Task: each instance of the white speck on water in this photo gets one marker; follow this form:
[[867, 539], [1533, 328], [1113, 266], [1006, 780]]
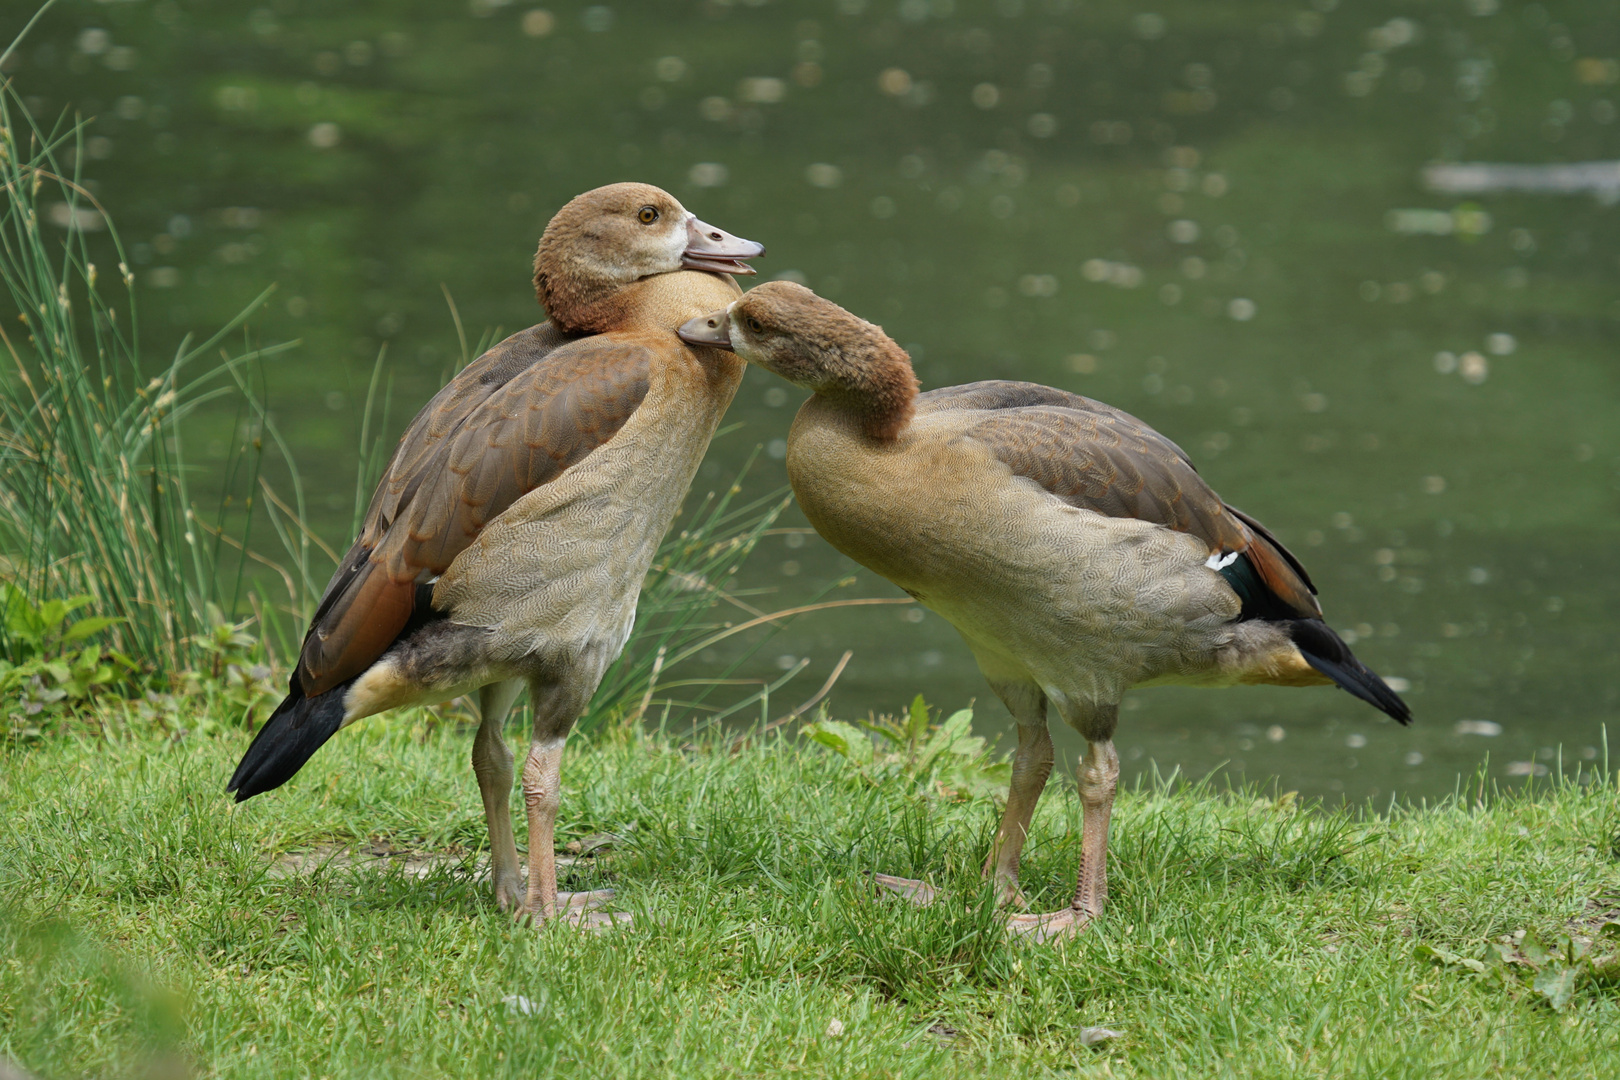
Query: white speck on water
[[762, 90], [823, 175], [1477, 727], [708, 174], [325, 135], [1355, 742]]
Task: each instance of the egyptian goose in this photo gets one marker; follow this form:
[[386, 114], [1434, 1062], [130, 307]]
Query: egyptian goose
[[507, 542], [1075, 549]]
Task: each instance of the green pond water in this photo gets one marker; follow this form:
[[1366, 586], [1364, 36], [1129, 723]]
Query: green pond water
[[1213, 215]]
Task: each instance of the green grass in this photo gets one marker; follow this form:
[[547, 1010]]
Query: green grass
[[140, 924]]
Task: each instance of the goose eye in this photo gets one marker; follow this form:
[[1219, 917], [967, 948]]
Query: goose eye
[[648, 215], [754, 324]]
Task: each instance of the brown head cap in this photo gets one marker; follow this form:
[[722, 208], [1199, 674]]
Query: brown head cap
[[600, 242]]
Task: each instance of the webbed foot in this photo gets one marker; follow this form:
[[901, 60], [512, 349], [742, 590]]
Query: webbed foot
[[578, 909], [919, 893], [1051, 926]]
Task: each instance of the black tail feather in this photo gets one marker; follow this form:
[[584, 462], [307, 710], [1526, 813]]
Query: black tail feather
[[1326, 652], [298, 728]]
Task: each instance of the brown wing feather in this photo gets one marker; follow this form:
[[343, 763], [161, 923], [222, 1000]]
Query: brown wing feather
[[1098, 458], [511, 421], [999, 394]]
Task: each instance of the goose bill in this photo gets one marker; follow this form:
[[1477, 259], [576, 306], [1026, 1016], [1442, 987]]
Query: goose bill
[[717, 251], [712, 330]]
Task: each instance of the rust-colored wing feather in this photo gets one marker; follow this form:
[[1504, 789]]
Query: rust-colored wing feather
[[513, 420], [1098, 458]]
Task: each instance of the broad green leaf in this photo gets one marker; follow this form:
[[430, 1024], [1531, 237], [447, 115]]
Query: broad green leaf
[[1556, 984], [1435, 954], [955, 728], [1534, 952], [85, 627], [918, 727], [959, 723], [884, 729], [845, 739]]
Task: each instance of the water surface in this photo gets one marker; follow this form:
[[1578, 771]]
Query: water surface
[[1214, 216]]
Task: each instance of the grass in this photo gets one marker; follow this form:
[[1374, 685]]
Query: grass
[[142, 926], [95, 485]]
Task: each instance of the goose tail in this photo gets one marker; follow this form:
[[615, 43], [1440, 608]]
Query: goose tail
[[299, 727], [1326, 651]]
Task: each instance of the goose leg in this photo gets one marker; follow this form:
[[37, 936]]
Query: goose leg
[[1098, 776], [1031, 766], [542, 797], [492, 765]]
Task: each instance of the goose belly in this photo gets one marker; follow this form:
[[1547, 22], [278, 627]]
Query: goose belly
[[557, 575], [1080, 603]]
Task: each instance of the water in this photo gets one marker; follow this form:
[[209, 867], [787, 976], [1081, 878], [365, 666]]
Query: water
[[1211, 216]]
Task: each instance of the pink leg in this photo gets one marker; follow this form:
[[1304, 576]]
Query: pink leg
[[1099, 777], [1032, 765], [542, 798], [492, 765]]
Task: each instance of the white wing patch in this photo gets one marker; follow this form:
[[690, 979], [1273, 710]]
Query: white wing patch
[[1218, 561]]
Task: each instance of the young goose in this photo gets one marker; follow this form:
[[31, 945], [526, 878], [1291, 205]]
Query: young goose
[[1076, 550], [506, 544]]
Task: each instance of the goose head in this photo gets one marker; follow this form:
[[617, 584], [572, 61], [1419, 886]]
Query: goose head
[[616, 235], [815, 344]]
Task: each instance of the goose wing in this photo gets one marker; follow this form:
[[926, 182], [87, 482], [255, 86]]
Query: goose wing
[[516, 418], [1098, 458]]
